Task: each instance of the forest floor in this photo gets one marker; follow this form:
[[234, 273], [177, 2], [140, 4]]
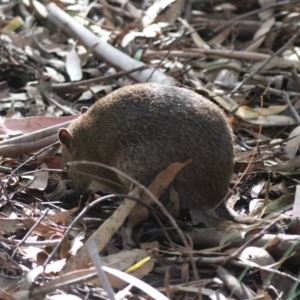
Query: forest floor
[[61, 56]]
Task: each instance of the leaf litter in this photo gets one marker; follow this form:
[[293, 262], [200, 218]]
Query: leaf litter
[[59, 57]]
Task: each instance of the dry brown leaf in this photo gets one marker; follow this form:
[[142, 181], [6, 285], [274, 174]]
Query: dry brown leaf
[[154, 10], [174, 206], [20, 295], [8, 266], [157, 188], [122, 261], [11, 225], [150, 245], [40, 178], [221, 37], [143, 270], [266, 14], [66, 278], [11, 110], [108, 14], [64, 296], [246, 112], [185, 271], [280, 63], [163, 180], [273, 120], [262, 257], [265, 295], [54, 162], [7, 296], [173, 12], [40, 229], [296, 206], [146, 288], [65, 249], [293, 143], [262, 31], [61, 217], [195, 36]]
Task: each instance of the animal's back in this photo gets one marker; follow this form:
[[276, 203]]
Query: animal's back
[[143, 128]]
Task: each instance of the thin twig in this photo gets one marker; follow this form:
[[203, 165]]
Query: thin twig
[[263, 64], [254, 12], [30, 231], [286, 96], [92, 248]]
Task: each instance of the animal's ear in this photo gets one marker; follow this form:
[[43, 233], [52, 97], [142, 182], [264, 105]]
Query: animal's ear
[[84, 109], [66, 139]]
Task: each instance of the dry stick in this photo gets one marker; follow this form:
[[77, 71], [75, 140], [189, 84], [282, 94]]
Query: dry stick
[[253, 239], [3, 188], [64, 284], [272, 30], [112, 195], [195, 52], [221, 260], [63, 108], [253, 265], [66, 281], [247, 27], [30, 243], [29, 159], [65, 87], [277, 53], [33, 136], [254, 12], [236, 287], [95, 257], [21, 148], [291, 165], [292, 108], [85, 209], [211, 237], [257, 147], [103, 50], [286, 255], [277, 92], [30, 231], [172, 47], [246, 170]]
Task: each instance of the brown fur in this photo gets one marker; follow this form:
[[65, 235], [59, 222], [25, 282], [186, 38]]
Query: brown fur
[[142, 129]]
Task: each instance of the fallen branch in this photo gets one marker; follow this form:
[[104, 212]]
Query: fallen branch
[[276, 245], [103, 50], [32, 141]]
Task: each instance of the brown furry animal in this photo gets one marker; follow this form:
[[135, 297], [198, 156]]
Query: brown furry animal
[[141, 129]]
